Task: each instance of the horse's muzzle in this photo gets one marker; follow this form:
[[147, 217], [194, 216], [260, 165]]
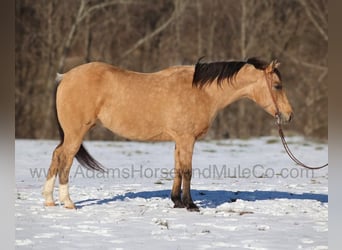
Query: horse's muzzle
[[283, 118]]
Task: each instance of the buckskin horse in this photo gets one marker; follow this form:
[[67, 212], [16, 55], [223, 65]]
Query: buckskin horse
[[175, 104]]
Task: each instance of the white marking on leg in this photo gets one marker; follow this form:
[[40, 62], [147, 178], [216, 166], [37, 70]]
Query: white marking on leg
[[64, 196], [48, 191]]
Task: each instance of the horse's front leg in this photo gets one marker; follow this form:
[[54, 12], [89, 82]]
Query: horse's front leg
[[183, 173], [51, 178], [186, 198], [177, 182]]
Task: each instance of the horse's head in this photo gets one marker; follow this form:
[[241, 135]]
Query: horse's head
[[257, 80], [268, 91]]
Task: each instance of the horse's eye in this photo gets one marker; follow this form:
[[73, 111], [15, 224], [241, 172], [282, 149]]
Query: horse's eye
[[278, 87]]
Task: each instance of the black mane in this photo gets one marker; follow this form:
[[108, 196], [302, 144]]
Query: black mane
[[206, 73]]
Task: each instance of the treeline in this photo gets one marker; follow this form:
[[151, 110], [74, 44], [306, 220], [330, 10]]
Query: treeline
[[56, 35]]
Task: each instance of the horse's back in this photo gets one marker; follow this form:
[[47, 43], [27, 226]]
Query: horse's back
[[96, 71]]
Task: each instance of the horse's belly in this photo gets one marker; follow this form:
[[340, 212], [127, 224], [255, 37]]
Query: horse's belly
[[135, 129], [140, 134]]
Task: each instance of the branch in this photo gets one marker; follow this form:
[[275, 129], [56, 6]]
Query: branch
[[101, 6], [243, 29], [199, 27], [321, 13], [70, 37], [81, 15], [323, 69], [313, 20], [176, 13]]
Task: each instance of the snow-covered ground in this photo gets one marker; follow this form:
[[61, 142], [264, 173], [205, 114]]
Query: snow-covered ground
[[251, 197]]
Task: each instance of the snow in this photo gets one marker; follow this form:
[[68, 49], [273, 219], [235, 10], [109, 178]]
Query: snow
[[251, 196]]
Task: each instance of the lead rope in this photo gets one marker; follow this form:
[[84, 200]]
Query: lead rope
[[281, 133], [288, 151]]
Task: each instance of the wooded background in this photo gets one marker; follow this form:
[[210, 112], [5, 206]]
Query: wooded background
[[56, 35]]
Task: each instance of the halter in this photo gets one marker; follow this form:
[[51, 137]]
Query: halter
[[269, 81]]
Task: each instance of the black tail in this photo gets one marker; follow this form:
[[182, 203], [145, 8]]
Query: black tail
[[87, 161], [82, 156]]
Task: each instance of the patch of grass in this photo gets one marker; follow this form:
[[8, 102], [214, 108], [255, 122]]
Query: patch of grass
[[244, 137], [237, 151], [114, 145], [224, 144], [272, 141], [313, 181], [240, 213], [245, 212], [209, 150], [140, 152]]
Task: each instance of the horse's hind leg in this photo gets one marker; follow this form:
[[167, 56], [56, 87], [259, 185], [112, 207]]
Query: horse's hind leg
[[51, 178], [70, 147], [61, 164], [63, 174]]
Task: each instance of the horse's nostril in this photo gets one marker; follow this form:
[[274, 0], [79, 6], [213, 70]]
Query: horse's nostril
[[291, 117]]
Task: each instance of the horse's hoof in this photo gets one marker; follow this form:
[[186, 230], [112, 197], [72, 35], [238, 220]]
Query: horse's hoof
[[179, 204], [70, 206], [49, 204], [193, 208]]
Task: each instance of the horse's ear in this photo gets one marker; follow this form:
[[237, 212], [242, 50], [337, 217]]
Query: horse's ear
[[272, 66], [275, 64]]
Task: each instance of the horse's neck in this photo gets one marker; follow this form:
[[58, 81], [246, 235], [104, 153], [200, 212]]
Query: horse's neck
[[228, 93]]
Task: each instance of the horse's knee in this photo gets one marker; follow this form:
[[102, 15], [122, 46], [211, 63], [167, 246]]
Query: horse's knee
[[187, 173]]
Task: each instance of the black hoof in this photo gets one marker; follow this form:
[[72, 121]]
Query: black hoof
[[192, 207], [179, 204]]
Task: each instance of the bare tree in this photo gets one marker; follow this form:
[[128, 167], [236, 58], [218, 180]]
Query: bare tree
[[57, 35]]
